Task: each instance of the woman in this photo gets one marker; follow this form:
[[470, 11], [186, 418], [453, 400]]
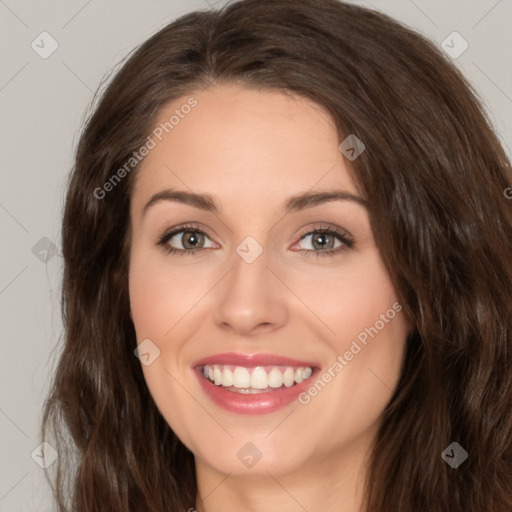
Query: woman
[[371, 376]]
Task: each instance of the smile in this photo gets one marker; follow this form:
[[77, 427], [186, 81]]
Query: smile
[[253, 383], [259, 379]]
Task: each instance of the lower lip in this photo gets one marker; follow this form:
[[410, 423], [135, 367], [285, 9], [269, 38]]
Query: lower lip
[[259, 403]]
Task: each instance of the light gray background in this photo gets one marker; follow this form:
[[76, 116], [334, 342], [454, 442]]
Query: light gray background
[[42, 106]]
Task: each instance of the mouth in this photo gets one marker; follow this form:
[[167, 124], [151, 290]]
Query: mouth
[[253, 384], [255, 380]]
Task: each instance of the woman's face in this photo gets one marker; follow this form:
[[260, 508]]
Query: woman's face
[[267, 294]]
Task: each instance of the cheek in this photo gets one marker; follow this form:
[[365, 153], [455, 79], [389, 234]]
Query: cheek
[[366, 342], [159, 295], [348, 299], [157, 304], [145, 297], [360, 319]]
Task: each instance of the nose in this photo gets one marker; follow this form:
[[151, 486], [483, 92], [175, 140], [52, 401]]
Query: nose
[[251, 300]]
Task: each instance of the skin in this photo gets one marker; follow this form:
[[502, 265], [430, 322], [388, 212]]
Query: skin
[[251, 150]]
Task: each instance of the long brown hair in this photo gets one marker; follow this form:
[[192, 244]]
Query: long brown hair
[[434, 175]]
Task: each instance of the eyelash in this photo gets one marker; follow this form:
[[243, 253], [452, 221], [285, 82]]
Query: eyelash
[[342, 235]]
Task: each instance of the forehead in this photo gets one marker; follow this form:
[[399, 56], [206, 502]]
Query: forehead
[[243, 144]]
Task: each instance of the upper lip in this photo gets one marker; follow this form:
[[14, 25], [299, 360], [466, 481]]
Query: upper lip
[[252, 360]]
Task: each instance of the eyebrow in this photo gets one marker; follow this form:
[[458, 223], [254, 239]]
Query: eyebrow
[[298, 202]]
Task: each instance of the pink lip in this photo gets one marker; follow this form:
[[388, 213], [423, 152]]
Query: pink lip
[[250, 360], [261, 403]]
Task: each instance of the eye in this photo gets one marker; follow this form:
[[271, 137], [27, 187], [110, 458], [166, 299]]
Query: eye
[[323, 240], [185, 240], [326, 240]]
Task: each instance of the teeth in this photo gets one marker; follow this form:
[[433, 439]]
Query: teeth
[[289, 377], [275, 378], [257, 378], [217, 375], [241, 377], [303, 375], [227, 377]]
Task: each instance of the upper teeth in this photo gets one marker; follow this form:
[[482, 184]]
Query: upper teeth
[[258, 377]]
